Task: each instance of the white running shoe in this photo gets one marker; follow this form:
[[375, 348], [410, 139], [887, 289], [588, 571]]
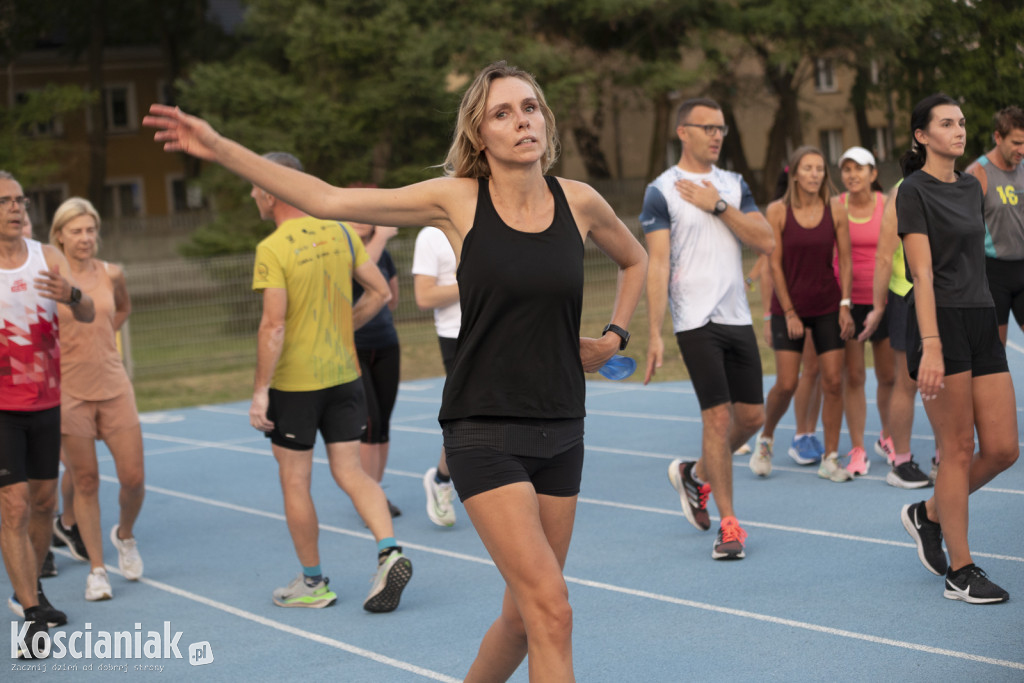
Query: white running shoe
[[439, 499], [97, 585], [831, 469], [128, 559], [761, 460]]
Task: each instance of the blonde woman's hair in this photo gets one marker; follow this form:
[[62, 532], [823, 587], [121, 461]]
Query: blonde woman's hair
[[465, 157], [69, 210], [826, 190]]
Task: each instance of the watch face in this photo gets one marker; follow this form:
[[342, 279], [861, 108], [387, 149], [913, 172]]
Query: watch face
[[721, 206]]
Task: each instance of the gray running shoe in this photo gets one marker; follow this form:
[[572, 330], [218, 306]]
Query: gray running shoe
[[299, 594], [393, 573]]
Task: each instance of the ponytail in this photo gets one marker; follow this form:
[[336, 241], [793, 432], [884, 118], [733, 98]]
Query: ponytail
[[913, 159]]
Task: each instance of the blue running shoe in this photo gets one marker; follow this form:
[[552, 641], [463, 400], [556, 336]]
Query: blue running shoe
[[803, 450]]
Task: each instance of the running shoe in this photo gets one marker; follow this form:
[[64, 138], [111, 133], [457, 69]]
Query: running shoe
[[803, 450], [393, 509], [819, 448], [128, 559], [71, 539], [971, 584], [393, 572], [53, 616], [884, 448], [36, 625], [761, 460], [831, 469], [49, 566], [934, 473], [928, 537], [729, 542], [692, 496], [858, 464], [907, 475], [743, 450], [97, 585], [439, 499], [300, 594]]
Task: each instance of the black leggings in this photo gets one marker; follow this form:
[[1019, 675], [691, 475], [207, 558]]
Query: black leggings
[[380, 368]]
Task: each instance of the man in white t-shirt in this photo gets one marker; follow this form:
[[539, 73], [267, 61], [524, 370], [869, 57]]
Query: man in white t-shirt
[[435, 286], [696, 218]]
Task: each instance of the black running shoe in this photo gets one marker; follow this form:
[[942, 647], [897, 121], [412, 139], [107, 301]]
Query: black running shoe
[[971, 584], [692, 496], [53, 617], [394, 509], [907, 476], [71, 539], [36, 625], [928, 537], [49, 566]]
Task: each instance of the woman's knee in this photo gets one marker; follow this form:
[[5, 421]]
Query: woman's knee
[[87, 482]]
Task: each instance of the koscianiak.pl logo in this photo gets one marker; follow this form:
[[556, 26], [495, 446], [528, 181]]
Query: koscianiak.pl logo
[[87, 644]]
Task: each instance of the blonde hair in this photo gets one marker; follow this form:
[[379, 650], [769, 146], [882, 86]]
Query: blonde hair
[[69, 210], [826, 190], [465, 157]]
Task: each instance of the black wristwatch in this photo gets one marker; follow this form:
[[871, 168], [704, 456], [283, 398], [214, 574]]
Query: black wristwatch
[[76, 296], [720, 207], [619, 331]]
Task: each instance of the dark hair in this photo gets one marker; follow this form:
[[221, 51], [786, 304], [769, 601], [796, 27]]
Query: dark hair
[[686, 107], [1008, 119], [914, 158], [285, 159], [781, 183]]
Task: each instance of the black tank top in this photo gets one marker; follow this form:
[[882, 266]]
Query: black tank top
[[518, 352]]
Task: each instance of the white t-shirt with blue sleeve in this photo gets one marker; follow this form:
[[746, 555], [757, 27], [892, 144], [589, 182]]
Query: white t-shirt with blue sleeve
[[706, 281]]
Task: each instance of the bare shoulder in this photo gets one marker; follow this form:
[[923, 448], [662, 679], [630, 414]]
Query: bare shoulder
[[976, 169], [577, 192], [775, 212], [53, 256], [837, 206]]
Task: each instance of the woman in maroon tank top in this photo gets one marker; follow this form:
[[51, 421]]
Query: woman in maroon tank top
[[809, 224]]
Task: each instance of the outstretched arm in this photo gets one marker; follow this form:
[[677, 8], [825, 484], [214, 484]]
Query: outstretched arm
[[432, 202]]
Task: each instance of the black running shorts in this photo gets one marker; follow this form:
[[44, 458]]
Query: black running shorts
[[970, 341], [1006, 282], [824, 331], [29, 445], [338, 413], [859, 313], [896, 310], [485, 454], [724, 364]]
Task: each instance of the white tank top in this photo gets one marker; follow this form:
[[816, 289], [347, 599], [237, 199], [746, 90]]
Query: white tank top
[[30, 346]]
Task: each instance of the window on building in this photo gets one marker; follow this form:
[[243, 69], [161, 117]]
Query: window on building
[[824, 76], [45, 201], [122, 199], [119, 109], [832, 145], [183, 196]]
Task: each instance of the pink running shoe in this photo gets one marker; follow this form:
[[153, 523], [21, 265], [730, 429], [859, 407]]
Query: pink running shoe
[[858, 464], [884, 448]]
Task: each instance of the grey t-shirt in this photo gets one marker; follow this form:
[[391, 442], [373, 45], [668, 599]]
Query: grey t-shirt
[[951, 216], [1004, 212]]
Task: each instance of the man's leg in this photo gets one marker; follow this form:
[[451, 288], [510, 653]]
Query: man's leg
[[366, 494], [295, 470], [16, 543]]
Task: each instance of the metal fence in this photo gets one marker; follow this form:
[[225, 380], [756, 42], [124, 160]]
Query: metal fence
[[198, 316]]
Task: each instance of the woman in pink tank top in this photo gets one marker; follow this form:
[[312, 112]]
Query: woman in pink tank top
[[809, 224], [97, 402], [864, 203]]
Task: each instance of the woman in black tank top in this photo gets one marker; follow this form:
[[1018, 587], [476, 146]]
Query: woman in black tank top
[[516, 391]]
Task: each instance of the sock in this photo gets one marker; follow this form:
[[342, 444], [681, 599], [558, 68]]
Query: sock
[[386, 544], [693, 475], [313, 575], [900, 458], [442, 478]]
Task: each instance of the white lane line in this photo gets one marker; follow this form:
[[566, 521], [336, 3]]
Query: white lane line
[[782, 527], [286, 628], [779, 621], [569, 579], [1016, 347]]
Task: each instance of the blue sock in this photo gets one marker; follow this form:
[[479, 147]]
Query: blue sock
[[313, 575], [386, 543]]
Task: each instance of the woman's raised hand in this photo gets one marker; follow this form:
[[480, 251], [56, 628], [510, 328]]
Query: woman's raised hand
[[181, 132]]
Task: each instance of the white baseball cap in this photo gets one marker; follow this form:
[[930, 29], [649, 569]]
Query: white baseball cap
[[858, 155]]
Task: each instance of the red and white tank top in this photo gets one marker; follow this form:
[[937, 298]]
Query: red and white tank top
[[29, 339]]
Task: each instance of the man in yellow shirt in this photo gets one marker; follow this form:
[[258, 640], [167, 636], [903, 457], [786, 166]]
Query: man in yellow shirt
[[307, 380]]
